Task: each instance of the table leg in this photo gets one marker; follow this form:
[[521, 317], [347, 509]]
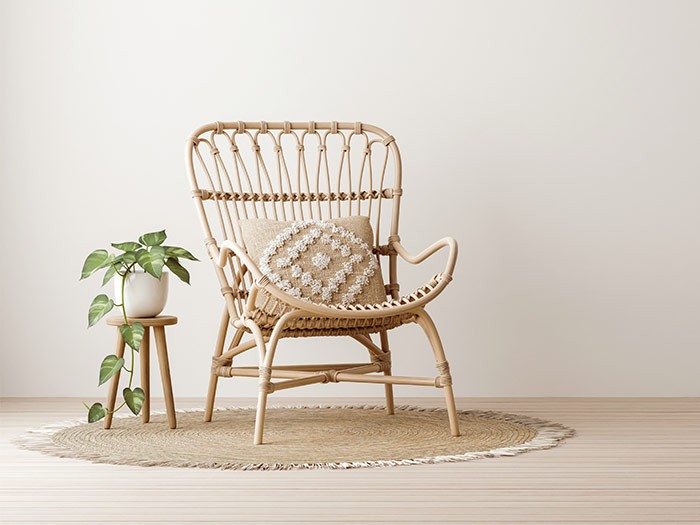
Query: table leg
[[162, 348], [145, 358], [114, 385]]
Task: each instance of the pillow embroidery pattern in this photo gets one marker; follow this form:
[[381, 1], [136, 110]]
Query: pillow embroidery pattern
[[358, 268]]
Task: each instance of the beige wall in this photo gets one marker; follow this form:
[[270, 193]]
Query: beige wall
[[557, 141]]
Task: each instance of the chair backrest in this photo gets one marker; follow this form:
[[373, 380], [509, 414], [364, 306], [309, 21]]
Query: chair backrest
[[291, 171]]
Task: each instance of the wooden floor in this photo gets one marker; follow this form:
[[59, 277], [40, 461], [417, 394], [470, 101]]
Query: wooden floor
[[633, 461]]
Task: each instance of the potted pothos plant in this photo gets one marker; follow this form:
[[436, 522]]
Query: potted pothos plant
[[141, 287]]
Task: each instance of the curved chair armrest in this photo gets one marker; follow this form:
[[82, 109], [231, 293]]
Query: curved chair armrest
[[262, 282], [430, 250], [359, 311], [229, 247]]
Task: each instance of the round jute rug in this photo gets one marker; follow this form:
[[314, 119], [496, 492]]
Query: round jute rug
[[330, 437]]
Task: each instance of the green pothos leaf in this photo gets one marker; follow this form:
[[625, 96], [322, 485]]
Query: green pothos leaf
[[174, 251], [134, 399], [101, 306], [111, 272], [129, 246], [152, 260], [96, 412], [96, 260], [126, 258], [133, 334], [174, 266], [153, 238], [110, 366]]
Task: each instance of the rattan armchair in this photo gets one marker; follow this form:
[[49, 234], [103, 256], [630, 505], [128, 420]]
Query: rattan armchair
[[297, 171]]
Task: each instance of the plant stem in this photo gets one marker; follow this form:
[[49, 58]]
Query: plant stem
[[117, 409], [122, 305], [126, 320], [131, 372]]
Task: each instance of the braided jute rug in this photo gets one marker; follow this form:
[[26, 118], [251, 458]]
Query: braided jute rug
[[321, 437]]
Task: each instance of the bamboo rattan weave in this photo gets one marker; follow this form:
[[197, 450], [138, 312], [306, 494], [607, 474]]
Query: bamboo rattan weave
[[299, 171]]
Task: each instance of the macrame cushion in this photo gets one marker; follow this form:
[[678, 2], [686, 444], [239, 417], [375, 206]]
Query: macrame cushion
[[326, 262]]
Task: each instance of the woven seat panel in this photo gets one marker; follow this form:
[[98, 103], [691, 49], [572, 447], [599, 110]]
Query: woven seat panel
[[267, 316], [320, 326]]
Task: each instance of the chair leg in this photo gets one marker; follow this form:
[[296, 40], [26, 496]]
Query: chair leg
[[267, 355], [260, 411], [265, 384], [388, 389], [426, 323], [214, 379]]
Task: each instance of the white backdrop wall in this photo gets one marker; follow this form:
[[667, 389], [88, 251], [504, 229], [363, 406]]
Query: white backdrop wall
[[557, 141]]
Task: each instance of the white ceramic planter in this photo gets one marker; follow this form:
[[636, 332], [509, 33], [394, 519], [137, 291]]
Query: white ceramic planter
[[145, 296]]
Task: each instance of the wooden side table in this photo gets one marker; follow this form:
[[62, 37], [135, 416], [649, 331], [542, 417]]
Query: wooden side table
[[158, 324]]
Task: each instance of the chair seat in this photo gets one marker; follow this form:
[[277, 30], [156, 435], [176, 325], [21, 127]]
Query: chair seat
[[312, 326], [325, 326]]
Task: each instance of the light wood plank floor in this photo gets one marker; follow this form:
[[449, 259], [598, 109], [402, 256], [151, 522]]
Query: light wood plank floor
[[633, 461]]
